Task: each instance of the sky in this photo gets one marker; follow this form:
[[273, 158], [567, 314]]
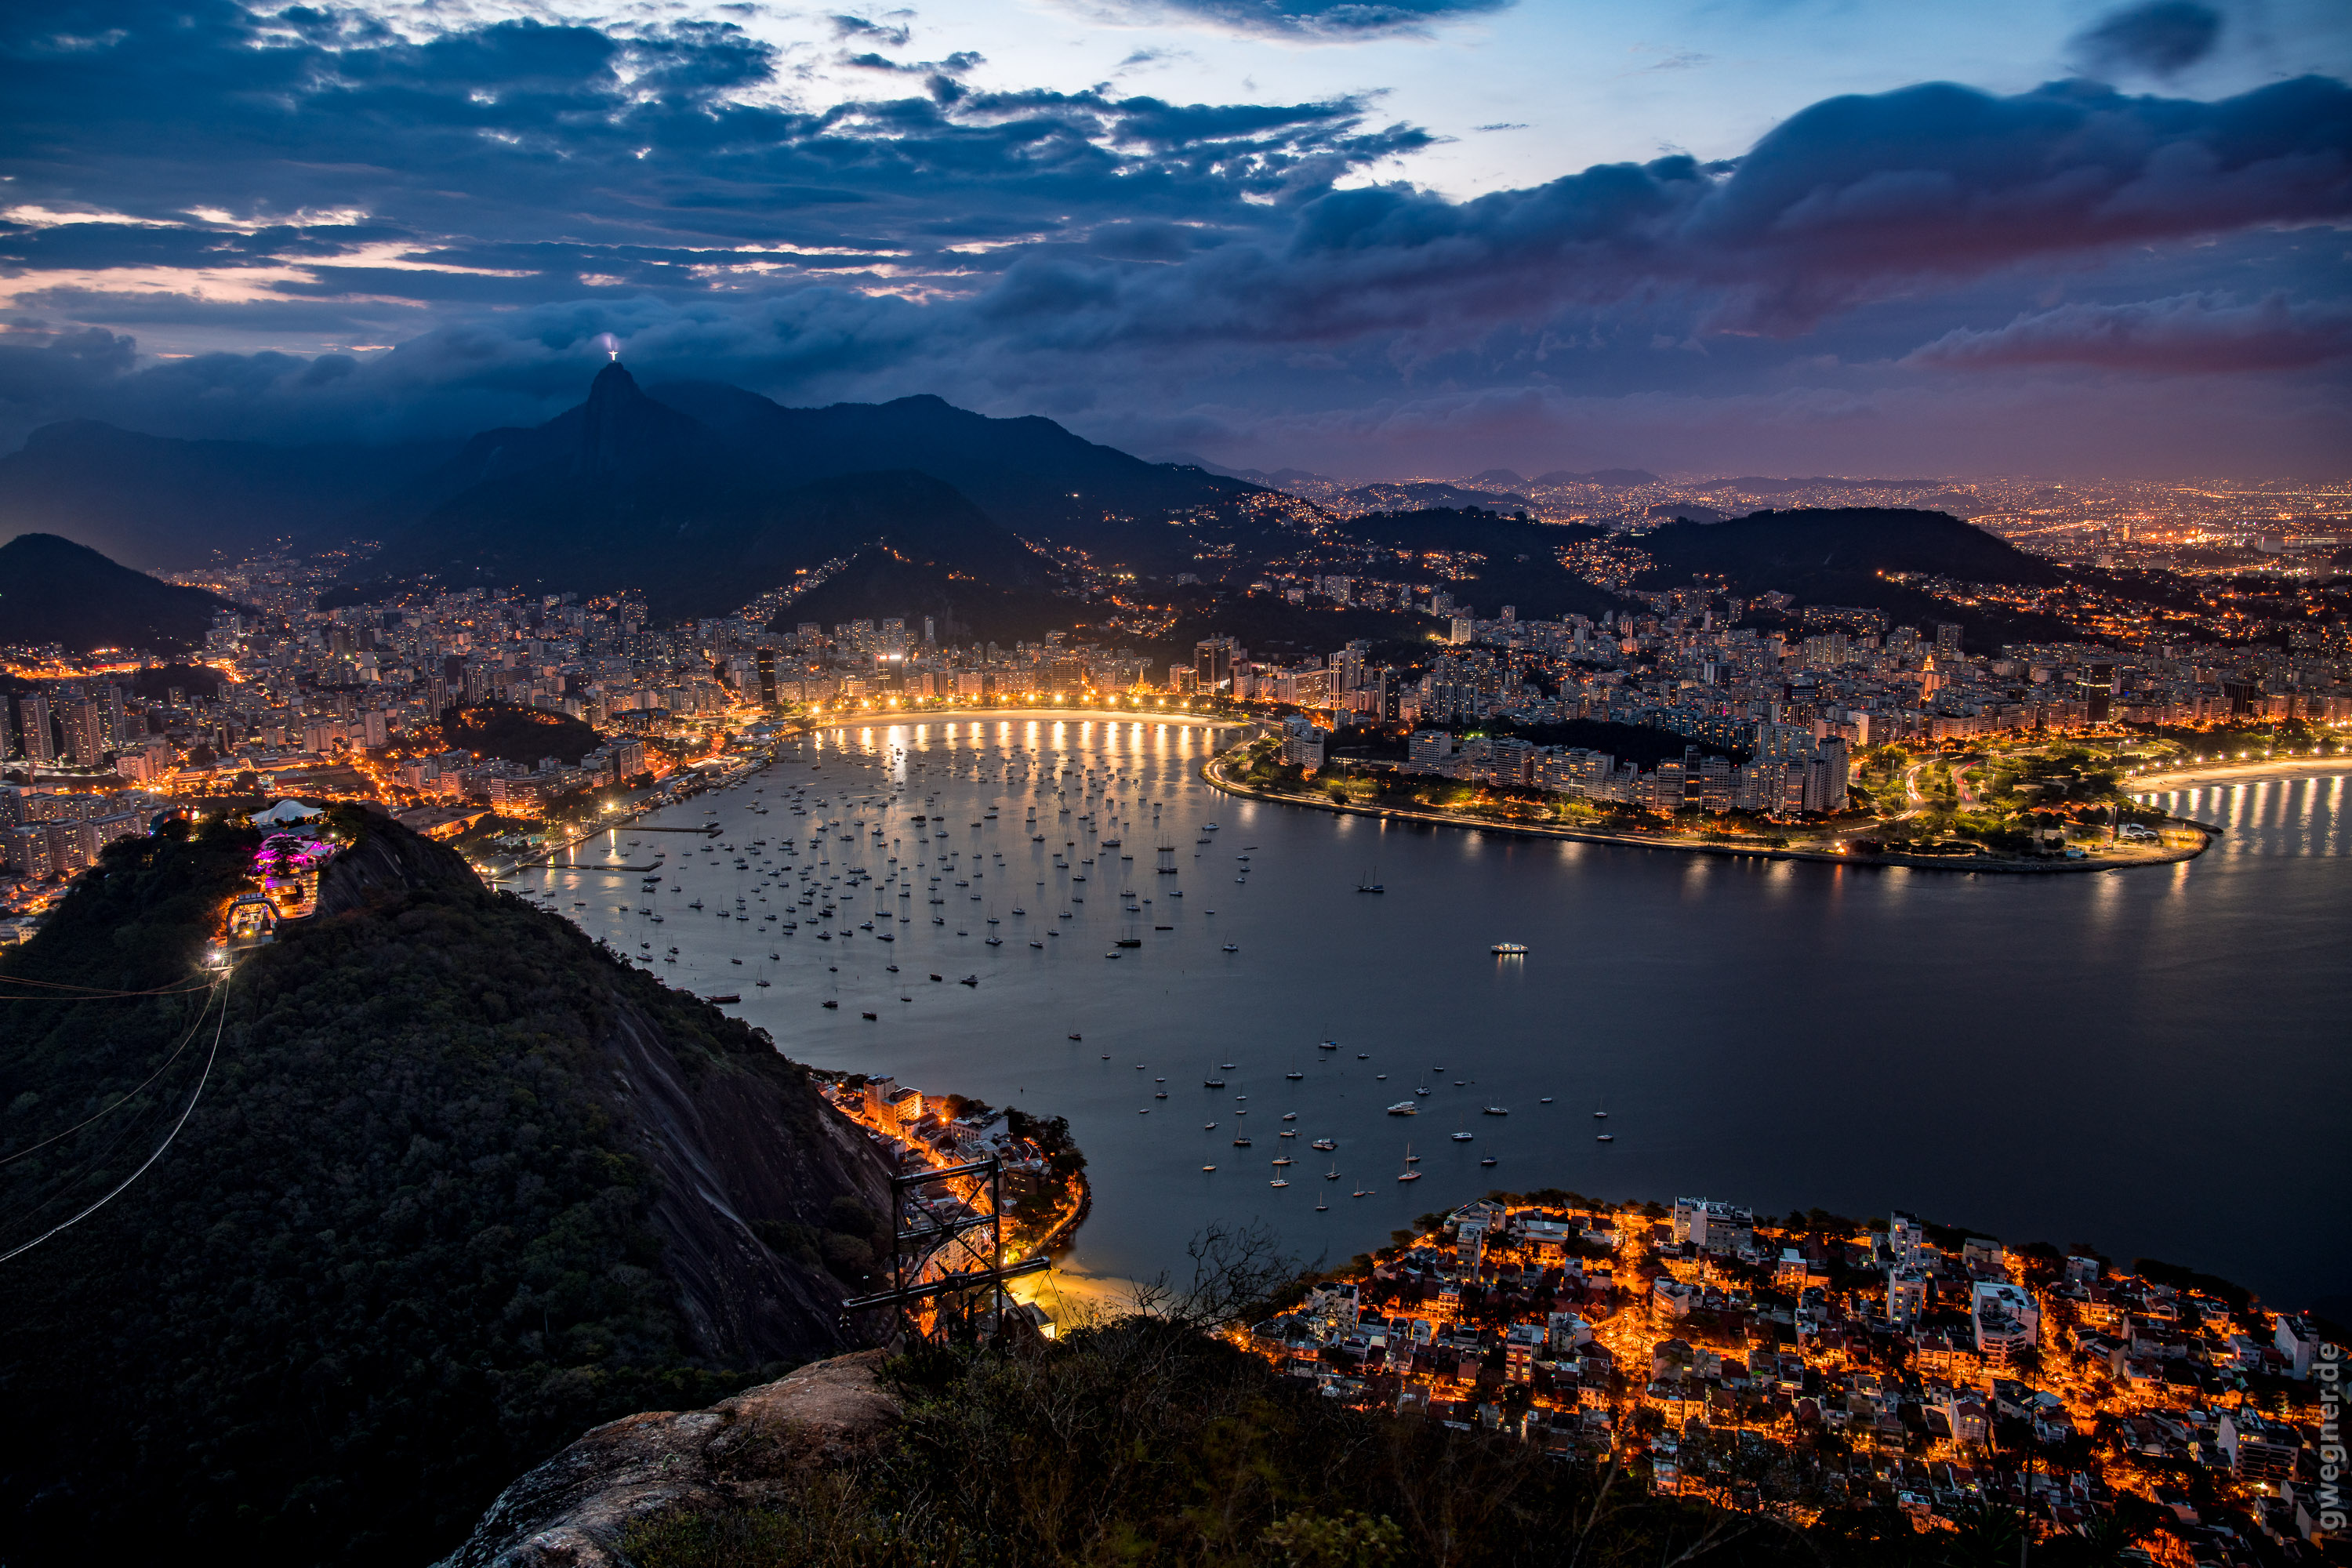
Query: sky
[[1365, 237]]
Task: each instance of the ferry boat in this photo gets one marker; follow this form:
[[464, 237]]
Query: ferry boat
[[1509, 950]]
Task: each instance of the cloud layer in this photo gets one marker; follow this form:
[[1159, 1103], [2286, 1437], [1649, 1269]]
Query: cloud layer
[[2189, 335], [491, 197]]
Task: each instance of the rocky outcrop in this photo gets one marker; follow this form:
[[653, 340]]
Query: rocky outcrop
[[571, 1513], [733, 1148], [386, 862]]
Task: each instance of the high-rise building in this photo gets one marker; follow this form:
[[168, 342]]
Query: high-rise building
[[37, 740], [764, 661], [1212, 664], [1947, 639]]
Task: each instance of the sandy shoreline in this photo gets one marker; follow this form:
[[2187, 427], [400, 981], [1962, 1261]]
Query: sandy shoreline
[[2190, 778]]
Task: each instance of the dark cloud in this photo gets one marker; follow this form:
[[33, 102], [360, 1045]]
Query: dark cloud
[[494, 197], [1328, 21], [2157, 38], [2191, 334], [859, 27]]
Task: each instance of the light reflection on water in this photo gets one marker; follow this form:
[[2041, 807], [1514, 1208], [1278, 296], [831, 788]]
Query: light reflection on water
[[2148, 1061]]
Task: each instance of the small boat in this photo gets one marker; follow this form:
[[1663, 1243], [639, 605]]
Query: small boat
[[1363, 1055], [1277, 1182], [1320, 1205], [1130, 941], [1284, 1160], [1490, 1160], [1328, 1046], [1074, 1034], [832, 1003], [1326, 1144], [1404, 1108], [1495, 1110], [971, 980], [1333, 1173], [1360, 1193], [1509, 950], [869, 1017], [1243, 1141], [1545, 1100], [726, 997], [1294, 1074], [1462, 1137], [1231, 947], [1208, 1167]]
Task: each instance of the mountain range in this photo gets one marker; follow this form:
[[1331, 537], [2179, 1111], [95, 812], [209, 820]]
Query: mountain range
[[701, 494], [53, 590], [162, 504]]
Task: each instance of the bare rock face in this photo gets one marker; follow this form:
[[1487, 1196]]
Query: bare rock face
[[571, 1511]]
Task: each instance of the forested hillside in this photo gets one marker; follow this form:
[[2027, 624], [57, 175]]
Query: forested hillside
[[459, 1185]]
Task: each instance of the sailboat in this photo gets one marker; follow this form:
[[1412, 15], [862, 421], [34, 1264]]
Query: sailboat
[[1371, 884], [1409, 1173]]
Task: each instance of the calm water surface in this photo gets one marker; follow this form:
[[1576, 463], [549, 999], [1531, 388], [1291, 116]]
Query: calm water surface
[[2152, 1062]]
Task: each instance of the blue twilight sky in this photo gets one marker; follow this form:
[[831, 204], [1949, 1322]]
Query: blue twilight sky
[[1367, 236]]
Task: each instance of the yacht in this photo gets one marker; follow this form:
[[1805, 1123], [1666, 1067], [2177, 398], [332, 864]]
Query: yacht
[[1404, 1108]]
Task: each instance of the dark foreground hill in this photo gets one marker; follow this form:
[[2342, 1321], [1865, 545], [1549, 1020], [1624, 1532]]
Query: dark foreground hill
[[459, 1186], [54, 591], [1503, 560], [1837, 555]]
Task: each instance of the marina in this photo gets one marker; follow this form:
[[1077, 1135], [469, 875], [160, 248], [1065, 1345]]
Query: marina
[[1291, 971]]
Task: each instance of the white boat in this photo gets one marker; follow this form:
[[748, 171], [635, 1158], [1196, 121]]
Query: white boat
[[1404, 1108]]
